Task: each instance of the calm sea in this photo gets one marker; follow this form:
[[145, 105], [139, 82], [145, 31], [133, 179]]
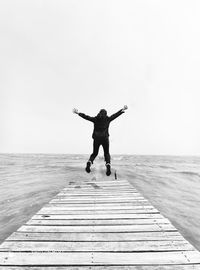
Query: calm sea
[[172, 184]]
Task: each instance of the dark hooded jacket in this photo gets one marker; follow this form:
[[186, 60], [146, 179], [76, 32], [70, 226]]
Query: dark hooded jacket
[[101, 123]]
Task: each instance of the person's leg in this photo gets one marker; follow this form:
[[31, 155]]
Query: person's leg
[[96, 145], [105, 145]]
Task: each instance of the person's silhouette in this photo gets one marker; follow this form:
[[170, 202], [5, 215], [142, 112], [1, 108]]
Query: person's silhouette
[[100, 135]]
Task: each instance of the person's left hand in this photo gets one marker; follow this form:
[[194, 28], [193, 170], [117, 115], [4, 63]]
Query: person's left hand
[[75, 111], [125, 107]]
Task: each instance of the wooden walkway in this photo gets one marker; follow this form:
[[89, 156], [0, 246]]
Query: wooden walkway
[[98, 224]]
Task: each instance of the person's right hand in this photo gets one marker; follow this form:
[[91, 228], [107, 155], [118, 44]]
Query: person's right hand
[[125, 107], [75, 111]]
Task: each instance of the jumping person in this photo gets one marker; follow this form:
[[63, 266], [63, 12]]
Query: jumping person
[[100, 135]]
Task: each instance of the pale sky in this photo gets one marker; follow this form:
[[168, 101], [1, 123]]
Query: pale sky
[[89, 54]]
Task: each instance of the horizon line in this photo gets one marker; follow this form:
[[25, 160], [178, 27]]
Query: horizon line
[[122, 154]]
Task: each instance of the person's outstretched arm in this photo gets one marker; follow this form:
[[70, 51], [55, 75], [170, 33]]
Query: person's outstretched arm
[[84, 116], [115, 115]]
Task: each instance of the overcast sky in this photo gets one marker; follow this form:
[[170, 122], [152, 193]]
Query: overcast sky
[[89, 54]]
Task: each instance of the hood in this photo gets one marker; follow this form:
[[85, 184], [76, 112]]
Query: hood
[[102, 114]]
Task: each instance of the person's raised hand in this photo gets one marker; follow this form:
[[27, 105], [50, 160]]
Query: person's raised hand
[[125, 107], [75, 111]]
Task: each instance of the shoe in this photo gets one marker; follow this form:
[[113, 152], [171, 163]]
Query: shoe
[[108, 171], [88, 166]]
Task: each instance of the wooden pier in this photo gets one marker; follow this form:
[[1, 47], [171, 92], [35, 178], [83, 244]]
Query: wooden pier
[[101, 223]]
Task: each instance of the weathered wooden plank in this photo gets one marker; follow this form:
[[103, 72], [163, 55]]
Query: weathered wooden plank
[[96, 215], [105, 184], [104, 205], [98, 192], [146, 258], [89, 188], [102, 181], [106, 181], [100, 185], [137, 246], [118, 184], [60, 196], [105, 237], [97, 186], [96, 182], [97, 198], [92, 193], [103, 267], [96, 207], [110, 216], [102, 190], [121, 267], [116, 198], [106, 200], [142, 201], [96, 212], [98, 258], [102, 228], [93, 222], [66, 210], [99, 209], [107, 190]]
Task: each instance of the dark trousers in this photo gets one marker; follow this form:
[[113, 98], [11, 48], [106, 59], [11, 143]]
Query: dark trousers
[[96, 144]]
